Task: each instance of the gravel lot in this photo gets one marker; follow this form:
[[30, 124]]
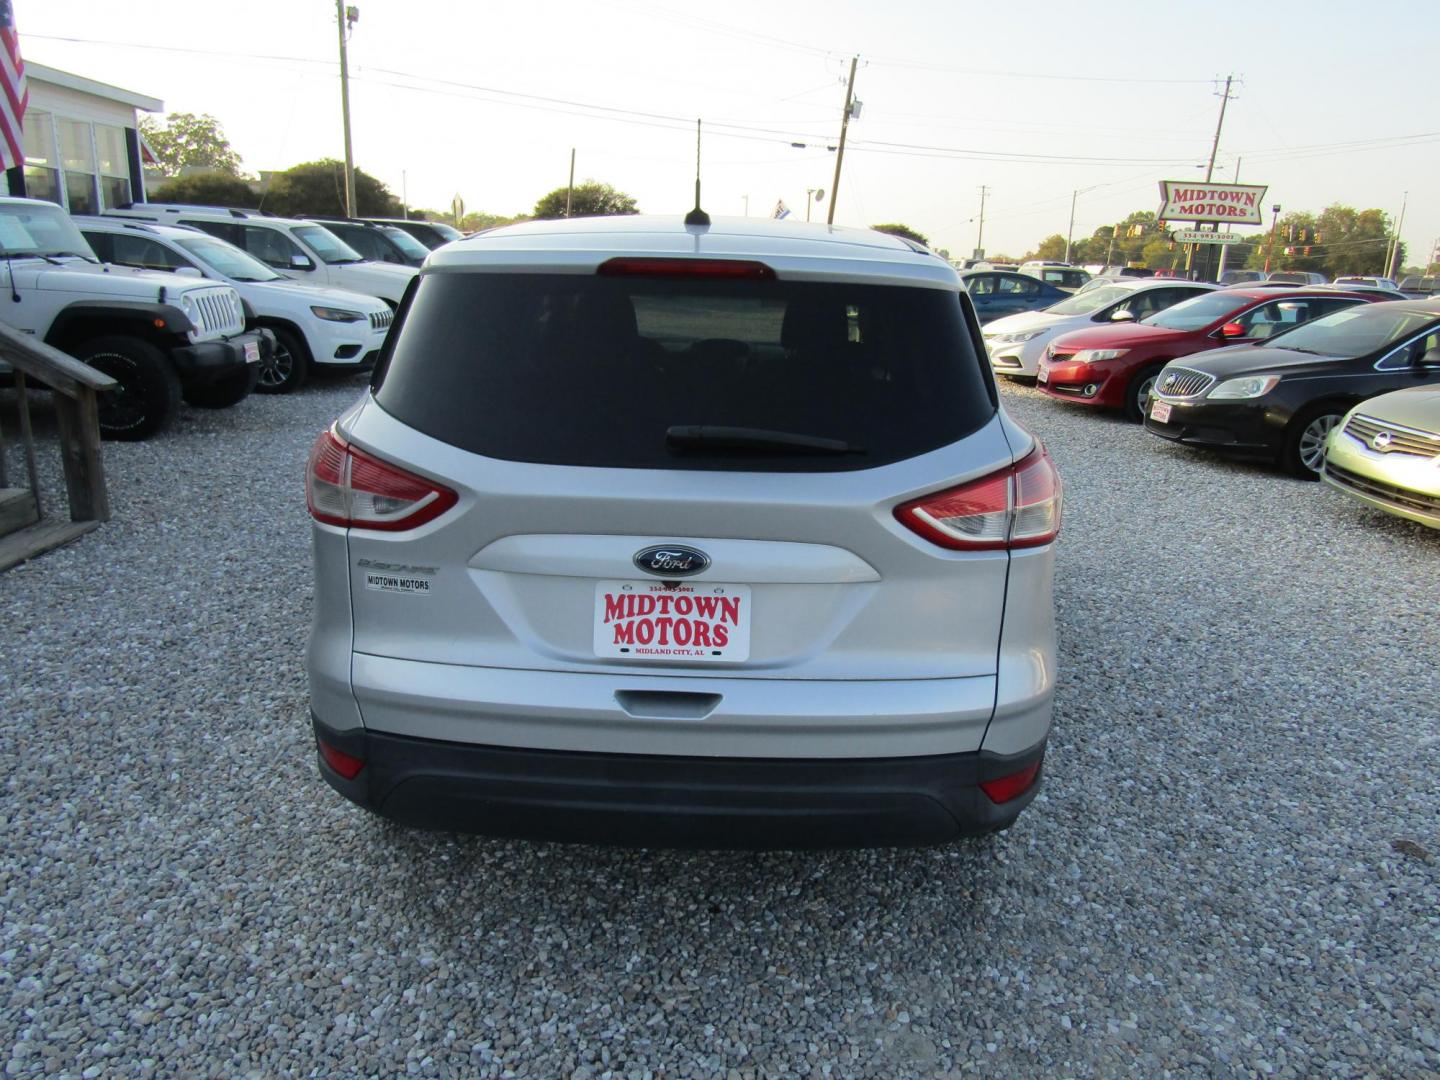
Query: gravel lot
[[1234, 868]]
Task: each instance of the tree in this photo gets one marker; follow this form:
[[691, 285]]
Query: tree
[[591, 199], [903, 230], [187, 141], [318, 187], [477, 220], [207, 189], [1052, 248]]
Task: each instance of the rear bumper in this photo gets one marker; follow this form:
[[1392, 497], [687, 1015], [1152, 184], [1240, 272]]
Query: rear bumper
[[665, 801]]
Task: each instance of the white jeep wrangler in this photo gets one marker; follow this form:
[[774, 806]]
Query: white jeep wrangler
[[159, 337]]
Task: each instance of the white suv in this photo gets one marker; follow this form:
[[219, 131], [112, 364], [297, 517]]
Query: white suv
[[298, 249], [328, 330], [699, 535]]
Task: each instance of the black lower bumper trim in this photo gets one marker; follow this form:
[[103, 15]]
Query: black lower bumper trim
[[676, 802]]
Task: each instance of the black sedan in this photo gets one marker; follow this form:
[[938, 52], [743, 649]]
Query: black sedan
[[1279, 400]]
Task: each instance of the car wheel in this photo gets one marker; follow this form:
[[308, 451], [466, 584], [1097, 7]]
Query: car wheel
[[1304, 451], [224, 392], [146, 396], [1138, 393], [288, 366]]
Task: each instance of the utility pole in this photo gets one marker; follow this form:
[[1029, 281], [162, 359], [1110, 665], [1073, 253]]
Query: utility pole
[[980, 239], [404, 196], [1071, 230], [1210, 167], [570, 191], [1394, 256], [345, 19], [844, 126]]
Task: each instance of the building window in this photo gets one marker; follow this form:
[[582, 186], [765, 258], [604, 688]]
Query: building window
[[42, 177], [113, 166], [77, 153]]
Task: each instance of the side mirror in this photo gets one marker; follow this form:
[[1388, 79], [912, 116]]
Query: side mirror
[[188, 271], [1232, 329], [1122, 315], [301, 262]]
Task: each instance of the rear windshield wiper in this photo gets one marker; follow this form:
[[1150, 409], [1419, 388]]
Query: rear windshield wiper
[[745, 438]]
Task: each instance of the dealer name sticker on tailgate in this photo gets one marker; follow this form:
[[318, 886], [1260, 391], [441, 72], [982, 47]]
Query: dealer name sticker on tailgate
[[695, 622], [379, 582]]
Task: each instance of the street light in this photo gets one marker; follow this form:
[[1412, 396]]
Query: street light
[[818, 193], [1274, 221]]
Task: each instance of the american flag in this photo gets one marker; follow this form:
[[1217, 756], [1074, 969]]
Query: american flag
[[15, 94]]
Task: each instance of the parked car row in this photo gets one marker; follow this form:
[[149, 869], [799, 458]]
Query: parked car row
[[204, 304], [1333, 381]]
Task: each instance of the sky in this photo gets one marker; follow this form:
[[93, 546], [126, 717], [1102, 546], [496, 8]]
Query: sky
[[1031, 100]]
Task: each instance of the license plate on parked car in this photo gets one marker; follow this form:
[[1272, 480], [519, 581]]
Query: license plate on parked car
[[1042, 375], [693, 622], [252, 352], [1160, 412]]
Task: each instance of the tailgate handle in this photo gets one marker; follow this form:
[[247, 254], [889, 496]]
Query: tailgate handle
[[667, 704]]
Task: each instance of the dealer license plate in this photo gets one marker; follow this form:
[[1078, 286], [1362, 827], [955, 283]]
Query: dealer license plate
[[691, 622], [1160, 412], [1042, 375], [252, 352]]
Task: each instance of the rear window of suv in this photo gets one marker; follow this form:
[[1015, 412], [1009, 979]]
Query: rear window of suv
[[604, 371]]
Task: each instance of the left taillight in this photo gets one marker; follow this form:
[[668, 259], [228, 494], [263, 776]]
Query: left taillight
[[1016, 507], [345, 486]]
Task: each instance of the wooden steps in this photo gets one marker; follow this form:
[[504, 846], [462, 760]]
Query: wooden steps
[[39, 538], [17, 510]]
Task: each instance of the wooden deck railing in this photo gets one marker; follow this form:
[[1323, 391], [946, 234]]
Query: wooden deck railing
[[24, 530]]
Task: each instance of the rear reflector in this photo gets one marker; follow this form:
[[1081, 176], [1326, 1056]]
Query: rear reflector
[[345, 764], [1016, 507], [711, 268], [1004, 788], [345, 486]]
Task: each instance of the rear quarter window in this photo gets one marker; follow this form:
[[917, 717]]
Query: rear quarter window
[[589, 370]]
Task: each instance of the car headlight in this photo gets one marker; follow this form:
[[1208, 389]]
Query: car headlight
[[331, 314], [1248, 386], [1015, 337], [1089, 356]]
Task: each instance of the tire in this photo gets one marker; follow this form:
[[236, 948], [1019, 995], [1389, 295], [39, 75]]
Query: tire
[[288, 367], [1303, 453], [148, 395], [222, 393], [1138, 392]]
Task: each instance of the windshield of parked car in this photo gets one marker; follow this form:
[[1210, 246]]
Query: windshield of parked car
[[1090, 300], [40, 229], [327, 245], [626, 372], [405, 242], [1355, 331], [227, 259], [1201, 311]]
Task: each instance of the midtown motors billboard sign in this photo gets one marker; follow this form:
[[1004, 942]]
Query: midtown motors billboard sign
[[1233, 204]]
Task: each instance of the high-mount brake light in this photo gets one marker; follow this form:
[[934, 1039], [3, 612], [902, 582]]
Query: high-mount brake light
[[733, 269], [1015, 507], [345, 486]]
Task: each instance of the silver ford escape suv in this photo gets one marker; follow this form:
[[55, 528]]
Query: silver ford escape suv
[[684, 535]]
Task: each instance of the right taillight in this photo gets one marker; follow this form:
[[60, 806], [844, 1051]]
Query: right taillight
[[1016, 507], [345, 486]]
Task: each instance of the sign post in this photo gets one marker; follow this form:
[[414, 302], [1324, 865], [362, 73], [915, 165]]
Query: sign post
[[1211, 204]]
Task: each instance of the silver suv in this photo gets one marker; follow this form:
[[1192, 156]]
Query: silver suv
[[684, 535]]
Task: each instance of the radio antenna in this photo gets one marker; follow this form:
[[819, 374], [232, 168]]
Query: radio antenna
[[697, 216]]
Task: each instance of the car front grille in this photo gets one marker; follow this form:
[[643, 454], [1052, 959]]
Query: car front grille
[[217, 313], [1184, 382], [379, 320], [1382, 491], [1059, 357], [1393, 438]]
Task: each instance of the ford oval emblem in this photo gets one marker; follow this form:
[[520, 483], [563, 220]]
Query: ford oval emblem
[[672, 561]]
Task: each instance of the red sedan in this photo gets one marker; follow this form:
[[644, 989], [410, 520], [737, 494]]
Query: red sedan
[[1115, 366]]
